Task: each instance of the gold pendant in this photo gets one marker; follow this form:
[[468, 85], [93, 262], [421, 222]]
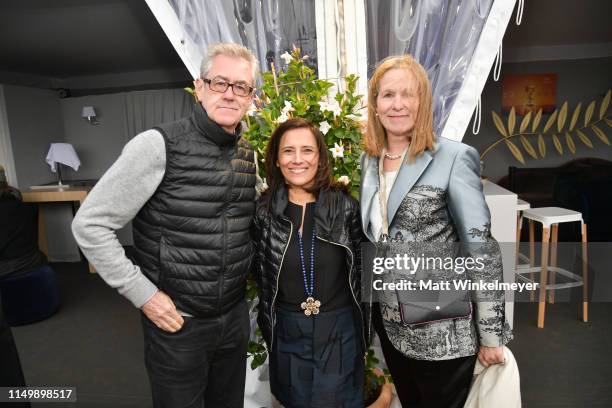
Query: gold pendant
[[311, 306]]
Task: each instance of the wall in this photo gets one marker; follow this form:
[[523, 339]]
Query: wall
[[34, 125], [37, 117], [577, 81], [35, 120], [97, 146]]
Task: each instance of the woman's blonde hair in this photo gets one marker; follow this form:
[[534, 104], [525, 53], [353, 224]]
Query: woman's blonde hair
[[422, 133]]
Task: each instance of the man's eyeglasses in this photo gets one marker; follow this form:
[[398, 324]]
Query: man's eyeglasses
[[220, 85]]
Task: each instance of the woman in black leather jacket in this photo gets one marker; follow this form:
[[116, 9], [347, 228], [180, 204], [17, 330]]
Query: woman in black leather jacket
[[307, 235]]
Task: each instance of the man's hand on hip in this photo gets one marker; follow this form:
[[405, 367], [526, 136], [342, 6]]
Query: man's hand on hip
[[161, 310]]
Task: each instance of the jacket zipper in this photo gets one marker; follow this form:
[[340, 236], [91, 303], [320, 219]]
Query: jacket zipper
[[161, 283], [226, 202], [365, 349], [277, 282]]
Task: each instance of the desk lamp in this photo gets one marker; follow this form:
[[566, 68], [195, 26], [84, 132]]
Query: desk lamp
[[62, 154]]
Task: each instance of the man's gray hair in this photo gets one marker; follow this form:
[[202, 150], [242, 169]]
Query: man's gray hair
[[229, 50]]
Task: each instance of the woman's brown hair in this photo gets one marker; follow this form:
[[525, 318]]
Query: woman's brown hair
[[274, 176], [6, 191], [422, 133]]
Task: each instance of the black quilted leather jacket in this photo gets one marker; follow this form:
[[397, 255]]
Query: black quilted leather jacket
[[337, 221]]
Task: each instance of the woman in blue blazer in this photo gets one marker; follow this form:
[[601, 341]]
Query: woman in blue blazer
[[420, 189]]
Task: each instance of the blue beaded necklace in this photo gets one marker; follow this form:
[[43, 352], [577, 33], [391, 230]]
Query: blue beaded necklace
[[310, 306]]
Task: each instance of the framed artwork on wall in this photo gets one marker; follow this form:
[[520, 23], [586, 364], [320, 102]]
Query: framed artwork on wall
[[529, 93]]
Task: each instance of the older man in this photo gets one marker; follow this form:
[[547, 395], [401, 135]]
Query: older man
[[189, 188]]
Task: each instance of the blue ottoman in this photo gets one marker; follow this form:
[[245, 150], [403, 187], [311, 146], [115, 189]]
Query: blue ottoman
[[29, 297]]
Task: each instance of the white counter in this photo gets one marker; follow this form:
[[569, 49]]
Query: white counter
[[502, 205]]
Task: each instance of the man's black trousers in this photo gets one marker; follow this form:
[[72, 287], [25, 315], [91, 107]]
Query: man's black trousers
[[202, 365]]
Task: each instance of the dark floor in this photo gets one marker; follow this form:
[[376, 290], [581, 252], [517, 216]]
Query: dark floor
[[95, 344]]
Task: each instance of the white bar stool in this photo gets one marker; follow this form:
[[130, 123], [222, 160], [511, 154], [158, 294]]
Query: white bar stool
[[552, 217]]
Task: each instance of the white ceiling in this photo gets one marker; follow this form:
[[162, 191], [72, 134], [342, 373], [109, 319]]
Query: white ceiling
[[65, 39]]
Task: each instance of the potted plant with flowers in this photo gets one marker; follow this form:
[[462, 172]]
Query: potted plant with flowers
[[295, 91]]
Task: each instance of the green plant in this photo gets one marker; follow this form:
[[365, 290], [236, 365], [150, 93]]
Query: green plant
[[374, 377], [295, 91], [191, 92], [561, 134], [256, 348]]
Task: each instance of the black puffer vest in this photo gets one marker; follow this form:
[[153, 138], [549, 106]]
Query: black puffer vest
[[337, 221], [192, 236]]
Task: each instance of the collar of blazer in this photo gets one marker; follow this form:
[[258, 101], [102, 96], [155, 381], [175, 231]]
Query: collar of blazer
[[409, 173]]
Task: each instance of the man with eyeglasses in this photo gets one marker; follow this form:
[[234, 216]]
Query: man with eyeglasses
[[189, 188]]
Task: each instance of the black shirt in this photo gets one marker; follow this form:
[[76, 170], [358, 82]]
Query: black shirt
[[331, 285], [18, 237]]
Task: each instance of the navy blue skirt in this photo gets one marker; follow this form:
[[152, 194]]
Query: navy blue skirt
[[317, 361]]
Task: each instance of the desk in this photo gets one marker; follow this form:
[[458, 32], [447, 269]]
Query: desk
[[53, 195]]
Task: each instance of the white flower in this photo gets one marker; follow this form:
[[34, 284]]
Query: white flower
[[332, 106], [282, 118], [335, 108], [324, 104], [354, 117], [252, 109], [284, 115], [288, 108], [344, 180], [324, 127], [287, 58], [337, 151]]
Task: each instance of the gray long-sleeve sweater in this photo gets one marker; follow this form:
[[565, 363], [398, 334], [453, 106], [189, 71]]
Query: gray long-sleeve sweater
[[113, 202]]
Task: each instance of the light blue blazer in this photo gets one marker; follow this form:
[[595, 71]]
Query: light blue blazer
[[438, 197]]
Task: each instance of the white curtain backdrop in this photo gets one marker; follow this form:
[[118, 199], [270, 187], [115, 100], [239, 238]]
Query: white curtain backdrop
[[441, 34], [268, 27], [145, 109], [6, 149]]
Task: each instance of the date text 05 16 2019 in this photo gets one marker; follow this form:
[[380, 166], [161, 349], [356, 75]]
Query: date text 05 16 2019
[[37, 394]]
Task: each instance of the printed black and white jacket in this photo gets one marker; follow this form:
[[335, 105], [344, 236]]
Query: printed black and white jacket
[[438, 197]]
